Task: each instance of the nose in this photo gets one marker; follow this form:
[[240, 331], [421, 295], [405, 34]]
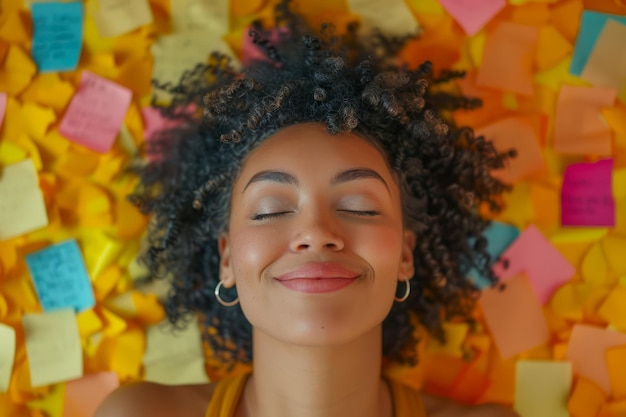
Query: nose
[[317, 232]]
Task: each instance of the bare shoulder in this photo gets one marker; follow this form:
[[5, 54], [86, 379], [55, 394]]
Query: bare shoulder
[[146, 399], [443, 407]]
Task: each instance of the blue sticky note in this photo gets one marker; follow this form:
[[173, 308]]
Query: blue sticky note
[[591, 25], [499, 237], [57, 35], [60, 277]]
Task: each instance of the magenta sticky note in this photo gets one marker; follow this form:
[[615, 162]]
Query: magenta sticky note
[[587, 194], [96, 112], [472, 15], [531, 253]]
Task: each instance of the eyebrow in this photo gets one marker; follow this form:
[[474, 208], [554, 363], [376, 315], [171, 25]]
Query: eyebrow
[[342, 177]]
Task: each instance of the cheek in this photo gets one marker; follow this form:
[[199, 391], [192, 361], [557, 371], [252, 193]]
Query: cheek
[[253, 250]]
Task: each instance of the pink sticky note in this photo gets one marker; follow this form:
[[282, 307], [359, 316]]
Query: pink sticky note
[[3, 106], [251, 52], [514, 133], [96, 112], [579, 127], [533, 254], [154, 122], [587, 350], [587, 195], [472, 15], [514, 316], [84, 395], [508, 60]]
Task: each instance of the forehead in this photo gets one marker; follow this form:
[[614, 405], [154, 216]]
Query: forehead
[[309, 146]]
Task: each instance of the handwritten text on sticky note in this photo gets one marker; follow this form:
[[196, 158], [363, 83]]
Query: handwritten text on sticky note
[[60, 277], [586, 195], [57, 35], [96, 112]]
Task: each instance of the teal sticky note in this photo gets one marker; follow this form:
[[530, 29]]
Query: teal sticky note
[[591, 25], [57, 35], [499, 237], [60, 277]]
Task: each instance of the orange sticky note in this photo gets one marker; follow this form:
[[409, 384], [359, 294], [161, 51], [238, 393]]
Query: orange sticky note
[[586, 399], [84, 395], [613, 310], [587, 349], [514, 316], [616, 363], [552, 47], [606, 66], [514, 133], [579, 127], [513, 44]]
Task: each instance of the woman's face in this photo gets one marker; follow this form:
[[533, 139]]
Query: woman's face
[[316, 244]]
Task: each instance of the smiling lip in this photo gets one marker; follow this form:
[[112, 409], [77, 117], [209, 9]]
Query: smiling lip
[[318, 278]]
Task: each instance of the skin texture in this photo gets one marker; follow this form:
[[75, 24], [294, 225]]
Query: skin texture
[[309, 349]]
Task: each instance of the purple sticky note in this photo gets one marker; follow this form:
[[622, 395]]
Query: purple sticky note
[[587, 195], [472, 15], [534, 255]]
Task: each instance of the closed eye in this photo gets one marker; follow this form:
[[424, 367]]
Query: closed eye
[[267, 216], [362, 212]]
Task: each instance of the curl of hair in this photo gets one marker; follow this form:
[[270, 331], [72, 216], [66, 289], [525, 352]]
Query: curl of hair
[[443, 170]]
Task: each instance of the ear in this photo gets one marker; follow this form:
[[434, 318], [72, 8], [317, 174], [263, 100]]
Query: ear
[[407, 265], [226, 269]]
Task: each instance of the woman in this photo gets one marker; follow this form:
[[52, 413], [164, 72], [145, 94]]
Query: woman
[[320, 204]]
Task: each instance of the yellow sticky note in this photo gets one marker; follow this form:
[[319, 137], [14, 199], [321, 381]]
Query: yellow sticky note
[[605, 66], [14, 28], [200, 15], [49, 90], [613, 310], [37, 119], [51, 403], [614, 248], [392, 17], [552, 47], [88, 323], [542, 388], [587, 399], [53, 347], [455, 336], [18, 70], [115, 18], [22, 207], [7, 355], [174, 356], [594, 268]]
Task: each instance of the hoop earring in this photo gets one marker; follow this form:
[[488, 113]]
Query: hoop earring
[[221, 300], [407, 291]]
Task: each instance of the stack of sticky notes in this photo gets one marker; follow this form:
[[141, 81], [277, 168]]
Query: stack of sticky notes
[[75, 106]]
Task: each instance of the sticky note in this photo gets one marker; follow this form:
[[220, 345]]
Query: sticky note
[[391, 17], [514, 316], [53, 347], [616, 364], [96, 112], [60, 277], [587, 194], [57, 35], [252, 52], [84, 395], [473, 15], [7, 355], [514, 133], [614, 248], [552, 47], [613, 309], [22, 208], [591, 25], [154, 122], [586, 399], [174, 54], [199, 16], [115, 17], [587, 350], [579, 127], [534, 255], [3, 106], [514, 44], [605, 66], [174, 357], [542, 388], [499, 236]]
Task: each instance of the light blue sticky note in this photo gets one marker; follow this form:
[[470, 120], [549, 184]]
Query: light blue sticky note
[[60, 277], [591, 25], [57, 35], [499, 237]]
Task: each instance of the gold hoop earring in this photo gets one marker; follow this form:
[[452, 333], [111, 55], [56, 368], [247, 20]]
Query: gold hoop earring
[[407, 291], [221, 300]]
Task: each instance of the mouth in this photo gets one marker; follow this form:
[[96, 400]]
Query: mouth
[[318, 278]]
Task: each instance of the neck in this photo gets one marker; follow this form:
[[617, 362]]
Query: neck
[[303, 381]]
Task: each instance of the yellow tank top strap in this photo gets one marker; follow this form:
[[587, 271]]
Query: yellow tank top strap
[[226, 396], [407, 402]]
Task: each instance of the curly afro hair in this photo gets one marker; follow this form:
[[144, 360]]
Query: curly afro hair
[[349, 85]]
